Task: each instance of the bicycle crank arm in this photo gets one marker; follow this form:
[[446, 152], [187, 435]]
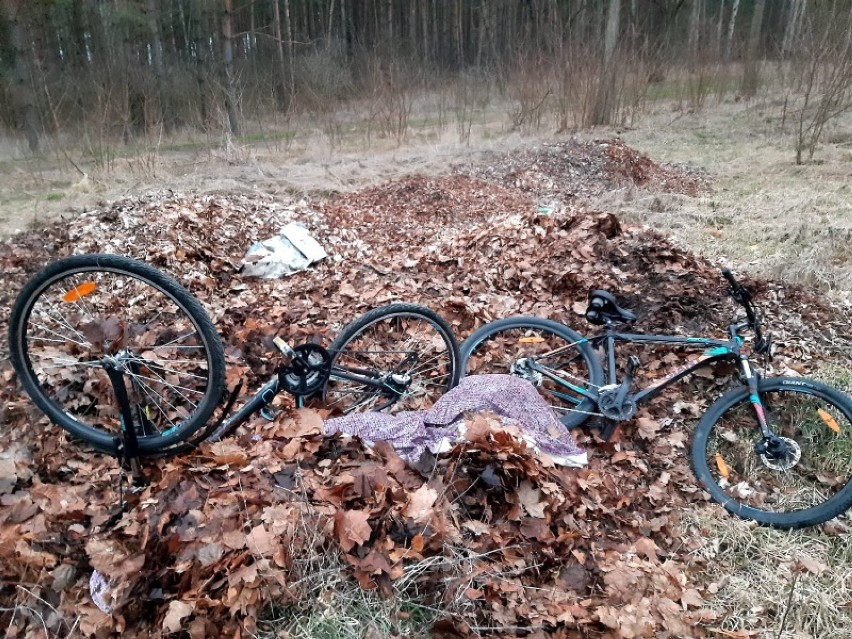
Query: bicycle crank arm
[[624, 389], [286, 350]]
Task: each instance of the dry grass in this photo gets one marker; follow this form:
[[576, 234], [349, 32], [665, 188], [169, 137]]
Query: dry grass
[[334, 606], [307, 162], [765, 214], [780, 584]]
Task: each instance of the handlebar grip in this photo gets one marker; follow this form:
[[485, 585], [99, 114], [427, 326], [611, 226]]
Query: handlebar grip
[[726, 273]]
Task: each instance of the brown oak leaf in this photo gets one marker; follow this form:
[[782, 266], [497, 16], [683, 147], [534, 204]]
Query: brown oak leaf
[[352, 528]]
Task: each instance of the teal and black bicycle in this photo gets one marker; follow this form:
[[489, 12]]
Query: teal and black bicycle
[[774, 450]]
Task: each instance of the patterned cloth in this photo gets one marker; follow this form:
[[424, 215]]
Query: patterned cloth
[[442, 426]]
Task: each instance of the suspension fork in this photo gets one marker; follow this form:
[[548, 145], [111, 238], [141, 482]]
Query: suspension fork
[[754, 396]]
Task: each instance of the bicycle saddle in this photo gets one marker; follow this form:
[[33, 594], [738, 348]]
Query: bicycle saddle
[[602, 309]]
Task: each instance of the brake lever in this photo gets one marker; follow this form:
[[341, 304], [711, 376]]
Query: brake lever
[[763, 346]]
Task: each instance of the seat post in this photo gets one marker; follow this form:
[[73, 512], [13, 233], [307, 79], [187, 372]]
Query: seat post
[[610, 352]]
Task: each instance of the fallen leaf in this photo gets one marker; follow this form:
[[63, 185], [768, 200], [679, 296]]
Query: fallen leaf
[[352, 528], [531, 499], [419, 506], [175, 614], [647, 428]]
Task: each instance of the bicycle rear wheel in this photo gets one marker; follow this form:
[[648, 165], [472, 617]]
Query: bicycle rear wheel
[[84, 311], [808, 482], [398, 357], [542, 352]]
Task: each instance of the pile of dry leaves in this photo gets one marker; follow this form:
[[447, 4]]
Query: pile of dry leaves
[[500, 538], [574, 170]]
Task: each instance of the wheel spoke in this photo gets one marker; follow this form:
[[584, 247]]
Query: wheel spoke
[[380, 345], [65, 338], [138, 318]]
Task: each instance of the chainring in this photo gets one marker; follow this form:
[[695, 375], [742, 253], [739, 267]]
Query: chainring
[[609, 407], [308, 372]]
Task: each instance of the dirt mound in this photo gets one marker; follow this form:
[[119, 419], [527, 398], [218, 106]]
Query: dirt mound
[[576, 170], [221, 535]]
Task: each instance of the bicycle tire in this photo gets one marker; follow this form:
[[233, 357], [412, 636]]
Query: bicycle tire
[[720, 461], [343, 349], [576, 411], [125, 273]]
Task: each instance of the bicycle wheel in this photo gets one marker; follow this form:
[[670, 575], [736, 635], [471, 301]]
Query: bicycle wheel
[[398, 357], [805, 484], [84, 311], [536, 349]]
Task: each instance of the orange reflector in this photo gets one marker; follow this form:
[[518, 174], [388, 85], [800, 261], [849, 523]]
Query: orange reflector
[[723, 467], [530, 340], [78, 292], [829, 420]]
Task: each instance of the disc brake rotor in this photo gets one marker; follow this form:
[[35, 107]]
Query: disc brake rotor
[[794, 454]]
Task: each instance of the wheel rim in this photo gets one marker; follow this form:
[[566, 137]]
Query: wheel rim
[[76, 321], [532, 353], [409, 353], [815, 464]]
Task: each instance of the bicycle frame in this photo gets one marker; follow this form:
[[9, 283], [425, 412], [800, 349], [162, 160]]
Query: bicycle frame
[[274, 386], [716, 350]]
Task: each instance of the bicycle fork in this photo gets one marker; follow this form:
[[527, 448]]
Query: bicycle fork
[[771, 446], [754, 396]]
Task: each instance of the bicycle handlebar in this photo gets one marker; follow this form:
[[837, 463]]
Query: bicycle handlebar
[[726, 273], [743, 297]]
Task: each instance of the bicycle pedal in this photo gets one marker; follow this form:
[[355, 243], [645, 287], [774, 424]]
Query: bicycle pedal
[[285, 348], [268, 414], [633, 364]]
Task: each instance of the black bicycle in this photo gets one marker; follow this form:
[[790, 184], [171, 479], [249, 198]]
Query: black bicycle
[[774, 450], [123, 357]]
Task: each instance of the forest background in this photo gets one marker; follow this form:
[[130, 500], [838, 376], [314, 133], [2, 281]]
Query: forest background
[[105, 72]]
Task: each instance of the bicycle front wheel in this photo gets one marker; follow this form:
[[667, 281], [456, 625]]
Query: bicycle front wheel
[[85, 312], [557, 360], [397, 357], [807, 482]]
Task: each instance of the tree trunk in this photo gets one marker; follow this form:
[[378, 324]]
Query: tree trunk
[[23, 80], [605, 101], [201, 44], [750, 71], [151, 14], [731, 25], [795, 13], [719, 30], [288, 27], [252, 35], [329, 28], [281, 93], [228, 66], [694, 32], [78, 35]]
